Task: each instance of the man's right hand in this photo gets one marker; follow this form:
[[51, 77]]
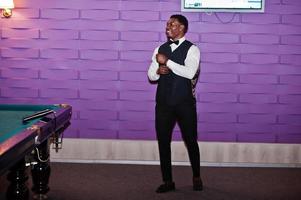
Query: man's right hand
[[163, 70]]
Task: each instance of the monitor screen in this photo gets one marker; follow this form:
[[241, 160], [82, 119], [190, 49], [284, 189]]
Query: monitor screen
[[223, 5]]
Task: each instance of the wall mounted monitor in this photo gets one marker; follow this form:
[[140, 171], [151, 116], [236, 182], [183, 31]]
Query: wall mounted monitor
[[222, 5]]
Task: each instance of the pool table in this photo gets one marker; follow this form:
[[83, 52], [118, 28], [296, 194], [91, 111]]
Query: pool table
[[26, 141]]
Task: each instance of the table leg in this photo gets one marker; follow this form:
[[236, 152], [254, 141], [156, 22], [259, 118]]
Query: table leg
[[17, 190], [41, 171]]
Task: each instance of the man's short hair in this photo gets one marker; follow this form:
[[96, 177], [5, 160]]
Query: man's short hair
[[183, 20]]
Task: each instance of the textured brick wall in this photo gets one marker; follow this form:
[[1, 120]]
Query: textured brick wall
[[94, 55]]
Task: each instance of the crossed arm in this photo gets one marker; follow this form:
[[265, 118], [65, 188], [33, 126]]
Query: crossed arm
[[162, 65]]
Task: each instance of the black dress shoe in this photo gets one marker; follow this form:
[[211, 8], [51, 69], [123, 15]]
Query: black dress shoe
[[166, 187], [197, 184]]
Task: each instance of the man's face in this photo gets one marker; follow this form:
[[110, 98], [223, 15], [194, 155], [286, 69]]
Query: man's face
[[174, 29]]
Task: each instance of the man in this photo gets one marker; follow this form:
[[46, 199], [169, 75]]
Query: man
[[175, 66]]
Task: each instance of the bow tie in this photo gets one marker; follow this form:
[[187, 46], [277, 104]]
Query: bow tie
[[173, 42]]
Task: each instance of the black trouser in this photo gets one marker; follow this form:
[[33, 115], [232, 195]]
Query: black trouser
[[166, 117]]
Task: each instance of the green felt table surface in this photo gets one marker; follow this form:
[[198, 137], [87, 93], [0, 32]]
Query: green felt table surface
[[11, 118]]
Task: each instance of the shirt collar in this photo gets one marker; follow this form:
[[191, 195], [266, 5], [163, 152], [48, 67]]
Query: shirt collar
[[182, 39]]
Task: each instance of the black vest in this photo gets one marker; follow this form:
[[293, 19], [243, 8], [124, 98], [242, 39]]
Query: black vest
[[173, 89]]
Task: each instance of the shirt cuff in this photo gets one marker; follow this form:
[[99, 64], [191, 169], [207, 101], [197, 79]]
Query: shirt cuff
[[156, 77], [170, 64]]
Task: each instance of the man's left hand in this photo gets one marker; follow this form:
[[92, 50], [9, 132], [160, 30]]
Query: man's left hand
[[161, 59]]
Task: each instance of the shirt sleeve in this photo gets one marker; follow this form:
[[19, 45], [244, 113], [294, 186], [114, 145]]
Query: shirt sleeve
[[152, 70], [191, 64]]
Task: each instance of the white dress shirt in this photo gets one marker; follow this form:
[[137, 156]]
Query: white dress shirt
[[188, 70]]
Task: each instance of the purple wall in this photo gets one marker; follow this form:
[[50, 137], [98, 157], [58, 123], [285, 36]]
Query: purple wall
[[95, 54]]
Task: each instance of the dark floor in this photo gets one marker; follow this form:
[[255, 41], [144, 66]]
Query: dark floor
[[138, 182]]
